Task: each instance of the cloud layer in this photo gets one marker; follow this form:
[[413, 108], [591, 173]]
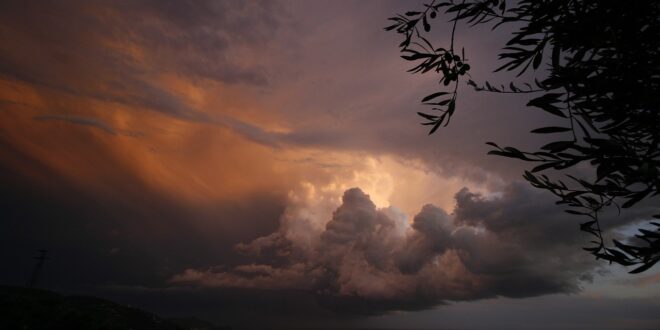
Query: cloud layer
[[167, 147], [366, 259]]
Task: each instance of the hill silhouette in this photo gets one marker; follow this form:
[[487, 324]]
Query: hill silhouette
[[26, 308]]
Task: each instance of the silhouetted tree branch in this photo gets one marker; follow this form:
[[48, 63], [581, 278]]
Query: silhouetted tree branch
[[602, 76]]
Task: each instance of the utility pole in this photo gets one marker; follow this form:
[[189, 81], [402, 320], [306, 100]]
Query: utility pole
[[37, 268]]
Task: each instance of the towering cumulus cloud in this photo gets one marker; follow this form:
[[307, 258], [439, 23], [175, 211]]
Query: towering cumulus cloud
[[369, 260]]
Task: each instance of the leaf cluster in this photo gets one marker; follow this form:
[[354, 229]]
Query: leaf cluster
[[446, 62], [597, 68]]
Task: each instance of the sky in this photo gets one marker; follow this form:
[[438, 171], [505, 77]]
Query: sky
[[260, 164]]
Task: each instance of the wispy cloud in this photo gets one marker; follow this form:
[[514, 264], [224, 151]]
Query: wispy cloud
[[92, 122]]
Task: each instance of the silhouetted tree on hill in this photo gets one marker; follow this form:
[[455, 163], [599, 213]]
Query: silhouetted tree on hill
[[597, 67]]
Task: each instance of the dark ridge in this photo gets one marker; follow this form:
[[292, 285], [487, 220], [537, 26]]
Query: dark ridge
[[27, 308]]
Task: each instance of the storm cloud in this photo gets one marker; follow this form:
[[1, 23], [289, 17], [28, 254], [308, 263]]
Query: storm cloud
[[516, 244]]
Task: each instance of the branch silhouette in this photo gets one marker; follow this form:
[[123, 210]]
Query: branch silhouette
[[602, 77]]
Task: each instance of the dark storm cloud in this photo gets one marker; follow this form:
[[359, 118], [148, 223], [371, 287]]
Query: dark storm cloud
[[194, 36], [101, 238], [111, 51], [198, 36], [82, 195], [123, 45], [115, 51], [515, 243]]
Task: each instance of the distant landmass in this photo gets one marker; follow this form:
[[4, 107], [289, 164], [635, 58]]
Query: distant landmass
[[27, 309]]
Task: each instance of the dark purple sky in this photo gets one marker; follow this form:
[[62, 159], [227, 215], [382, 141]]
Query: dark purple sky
[[260, 163]]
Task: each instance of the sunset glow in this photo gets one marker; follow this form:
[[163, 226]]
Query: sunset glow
[[260, 164]]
